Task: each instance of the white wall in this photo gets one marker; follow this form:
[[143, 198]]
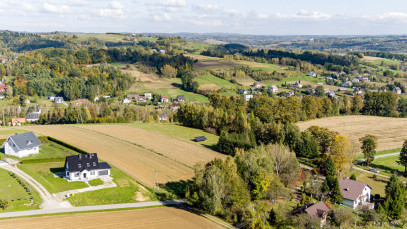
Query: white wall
[[90, 175], [11, 149]]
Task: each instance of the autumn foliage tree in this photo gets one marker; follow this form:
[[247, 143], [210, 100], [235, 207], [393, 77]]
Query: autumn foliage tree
[[369, 144]]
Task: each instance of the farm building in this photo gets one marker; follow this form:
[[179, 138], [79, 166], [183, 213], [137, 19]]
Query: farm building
[[313, 74], [256, 84], [17, 121], [397, 90], [22, 145], [148, 96], [58, 100], [273, 88], [355, 193], [126, 101], [180, 98], [85, 167]]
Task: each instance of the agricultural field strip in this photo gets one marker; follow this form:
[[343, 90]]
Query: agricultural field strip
[[137, 162], [90, 208], [163, 217], [180, 151], [388, 130]]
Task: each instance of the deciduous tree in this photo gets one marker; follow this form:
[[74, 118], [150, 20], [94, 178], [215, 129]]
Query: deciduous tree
[[369, 144]]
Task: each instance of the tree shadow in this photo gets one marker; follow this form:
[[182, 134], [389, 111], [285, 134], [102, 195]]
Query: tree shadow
[[177, 85], [60, 172], [174, 189]]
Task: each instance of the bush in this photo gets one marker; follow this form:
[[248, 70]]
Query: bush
[[42, 160]]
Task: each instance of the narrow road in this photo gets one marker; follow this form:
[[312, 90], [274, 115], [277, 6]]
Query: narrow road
[[90, 208], [377, 174], [379, 156], [48, 201]]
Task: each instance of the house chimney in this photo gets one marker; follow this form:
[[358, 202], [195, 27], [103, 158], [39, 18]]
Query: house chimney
[[80, 156], [90, 156]]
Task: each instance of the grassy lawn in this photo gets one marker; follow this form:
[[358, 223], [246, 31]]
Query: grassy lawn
[[360, 156], [388, 163], [118, 64], [270, 68], [377, 184], [172, 93], [95, 182], [291, 79], [178, 131], [17, 196], [125, 192], [44, 174], [210, 79]]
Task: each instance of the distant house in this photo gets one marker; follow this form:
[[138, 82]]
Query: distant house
[[248, 97], [164, 99], [313, 74], [347, 84], [80, 101], [153, 50], [17, 121], [200, 138], [298, 84], [162, 51], [141, 99], [2, 96], [310, 91], [148, 96], [365, 79], [163, 117], [358, 78], [96, 99], [355, 81], [330, 93], [397, 90], [243, 92], [3, 88], [22, 145], [33, 117], [106, 96], [273, 88], [85, 167], [58, 100], [180, 98], [358, 91], [256, 84], [126, 101], [319, 210], [289, 94], [354, 192], [175, 107]]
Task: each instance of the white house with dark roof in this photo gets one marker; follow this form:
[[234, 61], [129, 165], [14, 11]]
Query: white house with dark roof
[[85, 167], [354, 192], [22, 145], [273, 88]]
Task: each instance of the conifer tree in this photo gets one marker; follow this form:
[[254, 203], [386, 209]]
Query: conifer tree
[[336, 196], [403, 157]]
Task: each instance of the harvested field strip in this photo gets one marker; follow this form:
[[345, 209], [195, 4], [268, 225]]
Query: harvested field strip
[[164, 217], [186, 153], [137, 162], [389, 131]]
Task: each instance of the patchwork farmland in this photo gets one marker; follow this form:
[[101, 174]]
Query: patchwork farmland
[[136, 152]]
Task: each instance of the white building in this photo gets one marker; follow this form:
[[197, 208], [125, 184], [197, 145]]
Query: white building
[[273, 88], [126, 101], [148, 96], [354, 192], [248, 97], [22, 145], [85, 167]]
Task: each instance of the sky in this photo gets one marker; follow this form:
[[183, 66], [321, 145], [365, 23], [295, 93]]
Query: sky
[[260, 17]]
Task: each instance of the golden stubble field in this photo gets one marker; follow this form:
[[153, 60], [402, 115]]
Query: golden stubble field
[[163, 217], [389, 131], [114, 144]]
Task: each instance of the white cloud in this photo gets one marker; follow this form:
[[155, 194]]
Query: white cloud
[[388, 17], [116, 5], [162, 17], [76, 2], [233, 12], [207, 7], [305, 14], [263, 16], [115, 10], [28, 7], [50, 8], [173, 3]]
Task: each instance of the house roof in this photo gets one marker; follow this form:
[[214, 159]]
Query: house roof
[[200, 138], [351, 189], [78, 163], [274, 86], [2, 86], [33, 115], [25, 140], [180, 97], [317, 209], [164, 96]]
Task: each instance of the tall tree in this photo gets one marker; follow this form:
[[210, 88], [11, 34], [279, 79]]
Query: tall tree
[[336, 195], [369, 144], [395, 198], [403, 157], [340, 152]]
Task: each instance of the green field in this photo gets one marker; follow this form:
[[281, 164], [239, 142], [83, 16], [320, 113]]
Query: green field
[[270, 68], [178, 131], [291, 79], [388, 163], [125, 192], [360, 156], [17, 196], [210, 79], [172, 93], [44, 174]]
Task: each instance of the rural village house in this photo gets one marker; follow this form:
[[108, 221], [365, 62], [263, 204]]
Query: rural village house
[[58, 100], [85, 167], [355, 193], [243, 92], [313, 74], [22, 145], [3, 88], [256, 84], [17, 121], [248, 97], [273, 88], [148, 96], [126, 101], [319, 210], [164, 99], [397, 90], [180, 98], [33, 116]]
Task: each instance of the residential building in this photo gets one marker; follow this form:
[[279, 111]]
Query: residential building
[[355, 193], [3, 88], [126, 101], [141, 99], [17, 121], [58, 100], [397, 90], [33, 117], [365, 79], [148, 96], [131, 96], [312, 74], [85, 167], [248, 97], [163, 116], [273, 88], [180, 98], [310, 91], [289, 94], [298, 84], [243, 92], [2, 96], [256, 84], [330, 93], [22, 145], [347, 84], [175, 107], [319, 210], [162, 51], [164, 99]]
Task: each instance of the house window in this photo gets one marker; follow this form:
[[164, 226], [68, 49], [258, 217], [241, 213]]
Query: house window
[[92, 173], [76, 174], [94, 163], [79, 165], [87, 164]]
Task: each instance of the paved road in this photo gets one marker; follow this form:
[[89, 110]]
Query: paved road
[[377, 174], [90, 208]]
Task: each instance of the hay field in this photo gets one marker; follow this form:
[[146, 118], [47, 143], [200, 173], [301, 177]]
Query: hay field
[[137, 162], [182, 151], [163, 217], [389, 131]]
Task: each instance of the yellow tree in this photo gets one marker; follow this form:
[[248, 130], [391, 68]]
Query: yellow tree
[[340, 152]]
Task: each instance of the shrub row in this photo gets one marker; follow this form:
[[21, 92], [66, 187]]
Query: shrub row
[[42, 160], [69, 146]]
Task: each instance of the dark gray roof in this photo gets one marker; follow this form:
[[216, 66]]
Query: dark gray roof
[[78, 163], [33, 115], [200, 139], [25, 140], [180, 97]]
